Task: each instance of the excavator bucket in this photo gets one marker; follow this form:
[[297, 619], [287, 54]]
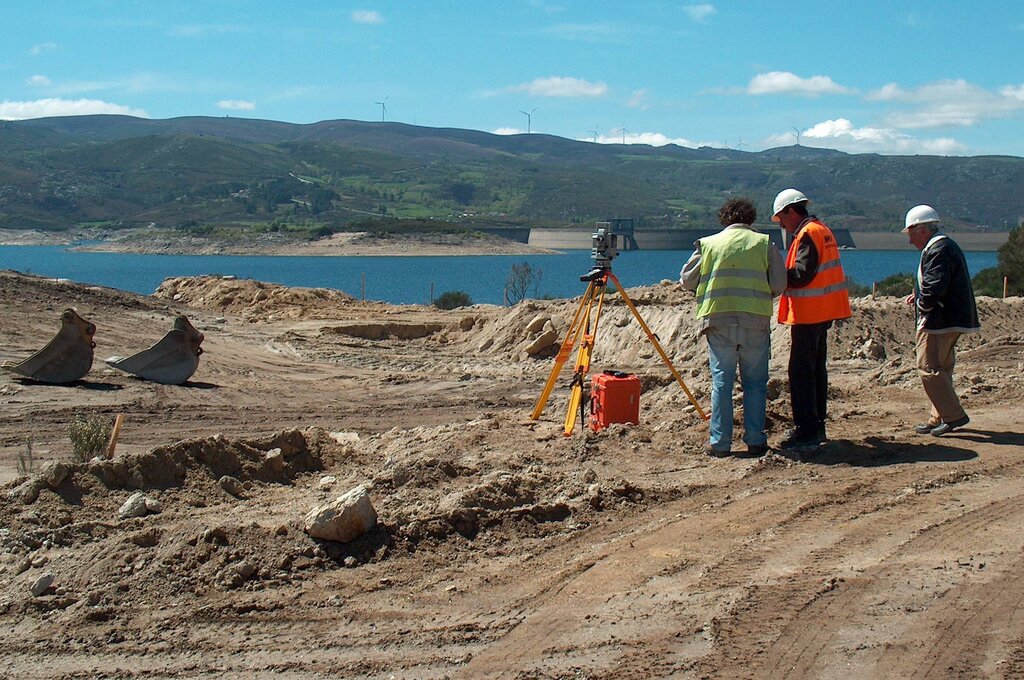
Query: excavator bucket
[[171, 361], [66, 358]]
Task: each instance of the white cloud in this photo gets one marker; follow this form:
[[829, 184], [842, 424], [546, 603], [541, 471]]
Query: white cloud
[[888, 92], [508, 131], [43, 47], [841, 134], [699, 12], [650, 138], [950, 103], [367, 16], [38, 81], [784, 82], [561, 86], [638, 100], [236, 105], [42, 108]]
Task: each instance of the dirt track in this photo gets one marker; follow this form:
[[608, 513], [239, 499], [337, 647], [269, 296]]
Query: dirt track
[[503, 549]]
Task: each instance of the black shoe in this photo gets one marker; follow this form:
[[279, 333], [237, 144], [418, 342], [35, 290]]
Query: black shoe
[[944, 428], [756, 450], [795, 439], [925, 428]]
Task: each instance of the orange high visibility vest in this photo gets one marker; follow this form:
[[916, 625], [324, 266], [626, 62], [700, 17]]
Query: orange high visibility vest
[[825, 297]]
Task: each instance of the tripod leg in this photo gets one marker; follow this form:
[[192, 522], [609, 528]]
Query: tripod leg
[[582, 365], [657, 346], [571, 337]]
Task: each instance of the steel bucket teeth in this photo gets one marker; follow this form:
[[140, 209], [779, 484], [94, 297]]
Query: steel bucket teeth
[[171, 361], [66, 358]]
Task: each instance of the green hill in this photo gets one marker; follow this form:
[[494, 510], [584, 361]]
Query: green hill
[[206, 173]]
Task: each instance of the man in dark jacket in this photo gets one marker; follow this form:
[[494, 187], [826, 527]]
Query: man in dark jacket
[[945, 310]]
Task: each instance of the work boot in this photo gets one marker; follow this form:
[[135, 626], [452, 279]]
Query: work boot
[[797, 439], [716, 453]]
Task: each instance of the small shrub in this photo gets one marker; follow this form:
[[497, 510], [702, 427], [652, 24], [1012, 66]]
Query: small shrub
[[855, 289], [989, 281], [89, 436], [520, 280], [897, 285], [453, 298], [26, 459]]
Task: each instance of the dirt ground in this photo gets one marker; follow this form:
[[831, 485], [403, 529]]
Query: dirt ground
[[503, 548]]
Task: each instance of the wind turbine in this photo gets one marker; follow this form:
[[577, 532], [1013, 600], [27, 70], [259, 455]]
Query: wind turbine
[[383, 108], [740, 144], [594, 134], [798, 132], [623, 130], [529, 118]]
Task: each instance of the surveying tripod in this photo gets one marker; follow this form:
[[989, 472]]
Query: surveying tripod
[[581, 331]]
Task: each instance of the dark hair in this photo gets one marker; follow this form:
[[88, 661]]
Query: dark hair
[[737, 210], [799, 208]]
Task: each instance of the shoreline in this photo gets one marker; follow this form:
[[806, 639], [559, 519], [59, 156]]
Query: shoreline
[[362, 244]]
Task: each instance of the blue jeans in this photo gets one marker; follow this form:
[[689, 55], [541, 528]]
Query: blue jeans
[[750, 349]]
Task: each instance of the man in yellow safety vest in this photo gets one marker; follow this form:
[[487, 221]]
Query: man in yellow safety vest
[[736, 273]]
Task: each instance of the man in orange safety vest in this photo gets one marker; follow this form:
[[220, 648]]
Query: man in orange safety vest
[[815, 296]]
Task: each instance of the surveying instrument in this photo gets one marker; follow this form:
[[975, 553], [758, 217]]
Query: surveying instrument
[[583, 330]]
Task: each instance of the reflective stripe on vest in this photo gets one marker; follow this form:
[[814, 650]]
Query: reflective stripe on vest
[[734, 274], [825, 298]]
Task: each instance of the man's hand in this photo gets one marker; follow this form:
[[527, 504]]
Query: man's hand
[[909, 299]]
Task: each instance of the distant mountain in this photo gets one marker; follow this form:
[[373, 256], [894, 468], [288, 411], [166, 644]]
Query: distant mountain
[[202, 173]]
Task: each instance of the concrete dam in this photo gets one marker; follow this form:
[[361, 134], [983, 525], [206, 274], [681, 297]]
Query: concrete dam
[[636, 239]]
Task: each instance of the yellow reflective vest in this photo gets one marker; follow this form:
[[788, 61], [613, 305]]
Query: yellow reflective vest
[[734, 273]]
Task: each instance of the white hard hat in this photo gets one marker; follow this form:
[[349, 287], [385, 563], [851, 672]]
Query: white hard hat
[[920, 214], [787, 197]]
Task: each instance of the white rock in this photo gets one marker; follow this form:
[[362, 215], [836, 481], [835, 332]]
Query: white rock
[[345, 437], [54, 473], [327, 480], [537, 323], [542, 342], [135, 506], [153, 505], [275, 460], [41, 584], [232, 486], [344, 519]]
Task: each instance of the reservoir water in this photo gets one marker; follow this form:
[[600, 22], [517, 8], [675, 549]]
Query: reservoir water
[[406, 280]]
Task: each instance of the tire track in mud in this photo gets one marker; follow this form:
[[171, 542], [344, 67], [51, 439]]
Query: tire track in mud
[[819, 622], [777, 592], [622, 569]]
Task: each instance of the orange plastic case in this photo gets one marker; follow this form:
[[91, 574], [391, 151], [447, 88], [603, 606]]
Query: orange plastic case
[[614, 398]]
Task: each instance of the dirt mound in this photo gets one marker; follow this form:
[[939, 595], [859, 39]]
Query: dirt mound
[[249, 298]]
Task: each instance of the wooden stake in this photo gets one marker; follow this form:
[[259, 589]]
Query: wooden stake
[[1006, 285], [114, 432]]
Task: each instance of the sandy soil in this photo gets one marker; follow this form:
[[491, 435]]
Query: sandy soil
[[503, 549]]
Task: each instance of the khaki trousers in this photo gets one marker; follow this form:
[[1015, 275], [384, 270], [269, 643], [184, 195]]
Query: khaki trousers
[[936, 356]]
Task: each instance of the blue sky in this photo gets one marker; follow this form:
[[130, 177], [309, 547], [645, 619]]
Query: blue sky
[[943, 77]]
